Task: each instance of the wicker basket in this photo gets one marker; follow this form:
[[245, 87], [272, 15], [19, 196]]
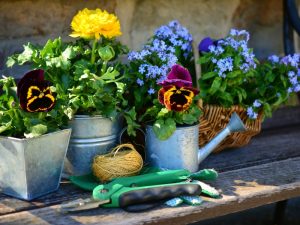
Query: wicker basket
[[215, 118]]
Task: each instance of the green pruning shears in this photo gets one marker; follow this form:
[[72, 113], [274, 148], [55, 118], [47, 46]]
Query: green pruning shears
[[148, 188]]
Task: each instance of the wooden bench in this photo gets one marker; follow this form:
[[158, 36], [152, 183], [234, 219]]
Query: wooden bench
[[266, 171]]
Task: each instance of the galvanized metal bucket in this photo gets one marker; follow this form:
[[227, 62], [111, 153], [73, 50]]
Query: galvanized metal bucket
[[180, 151], [91, 136], [32, 167]]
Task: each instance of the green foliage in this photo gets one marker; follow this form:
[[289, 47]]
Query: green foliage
[[17, 123], [228, 90], [163, 129], [231, 75], [272, 85], [86, 76], [165, 121]]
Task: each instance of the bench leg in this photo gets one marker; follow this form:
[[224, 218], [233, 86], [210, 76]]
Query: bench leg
[[279, 212]]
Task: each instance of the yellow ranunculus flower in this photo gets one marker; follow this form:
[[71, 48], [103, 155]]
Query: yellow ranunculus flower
[[92, 24]]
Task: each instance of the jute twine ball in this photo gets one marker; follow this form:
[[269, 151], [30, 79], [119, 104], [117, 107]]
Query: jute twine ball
[[123, 160]]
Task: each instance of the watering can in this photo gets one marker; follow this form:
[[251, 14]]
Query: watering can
[[181, 150]]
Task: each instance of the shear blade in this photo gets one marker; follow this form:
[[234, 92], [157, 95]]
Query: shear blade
[[82, 204]]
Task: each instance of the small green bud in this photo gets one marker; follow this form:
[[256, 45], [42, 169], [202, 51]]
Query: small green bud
[[106, 53]]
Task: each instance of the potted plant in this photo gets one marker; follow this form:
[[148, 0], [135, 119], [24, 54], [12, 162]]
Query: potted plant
[[275, 81], [87, 73], [170, 44], [233, 80], [33, 143], [173, 123]]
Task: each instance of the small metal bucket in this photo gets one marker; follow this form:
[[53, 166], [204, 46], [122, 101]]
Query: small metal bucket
[[91, 136], [32, 167], [177, 152]]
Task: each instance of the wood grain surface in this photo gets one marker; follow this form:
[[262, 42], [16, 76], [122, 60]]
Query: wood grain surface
[[242, 189], [266, 171]]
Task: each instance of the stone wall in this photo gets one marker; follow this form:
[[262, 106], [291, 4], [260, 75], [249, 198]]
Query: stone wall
[[22, 21]]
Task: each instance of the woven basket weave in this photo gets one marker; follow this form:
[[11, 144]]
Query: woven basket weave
[[215, 118]]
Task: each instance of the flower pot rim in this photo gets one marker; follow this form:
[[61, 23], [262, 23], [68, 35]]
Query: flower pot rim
[[81, 116], [26, 139], [180, 127]]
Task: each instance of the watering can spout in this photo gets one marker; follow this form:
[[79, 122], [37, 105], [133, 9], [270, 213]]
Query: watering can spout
[[235, 124]]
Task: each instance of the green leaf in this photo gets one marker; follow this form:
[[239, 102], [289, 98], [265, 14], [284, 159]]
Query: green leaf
[[36, 131], [215, 85], [227, 97], [208, 75], [270, 76], [110, 74], [204, 59], [163, 129], [262, 89], [26, 55], [189, 119], [237, 60], [130, 117], [120, 87], [65, 78], [223, 86], [81, 66], [106, 53], [5, 126], [241, 93], [162, 113], [233, 74], [10, 61], [68, 53], [84, 76], [267, 110], [51, 47]]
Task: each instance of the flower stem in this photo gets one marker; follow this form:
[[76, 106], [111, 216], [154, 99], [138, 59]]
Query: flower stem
[[104, 66], [115, 80], [93, 51]]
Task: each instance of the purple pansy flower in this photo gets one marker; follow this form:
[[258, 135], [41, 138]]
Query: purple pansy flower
[[178, 76], [204, 44]]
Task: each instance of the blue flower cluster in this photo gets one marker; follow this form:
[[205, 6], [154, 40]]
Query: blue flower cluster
[[237, 41], [224, 65], [156, 58], [251, 110], [293, 61], [177, 35], [273, 59], [146, 65], [294, 79]]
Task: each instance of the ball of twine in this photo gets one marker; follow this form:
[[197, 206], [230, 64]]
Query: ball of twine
[[123, 160]]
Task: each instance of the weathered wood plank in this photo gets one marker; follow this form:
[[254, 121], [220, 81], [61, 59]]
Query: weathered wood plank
[[285, 116], [269, 146], [66, 192], [242, 189]]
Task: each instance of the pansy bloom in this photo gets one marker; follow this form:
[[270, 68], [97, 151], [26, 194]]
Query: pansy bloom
[[34, 92], [204, 44], [177, 92], [178, 76], [176, 98]]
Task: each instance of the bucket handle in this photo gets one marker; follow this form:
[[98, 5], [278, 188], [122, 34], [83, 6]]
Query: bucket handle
[[139, 129]]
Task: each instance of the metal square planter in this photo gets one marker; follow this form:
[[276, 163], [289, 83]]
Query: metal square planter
[[32, 167]]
